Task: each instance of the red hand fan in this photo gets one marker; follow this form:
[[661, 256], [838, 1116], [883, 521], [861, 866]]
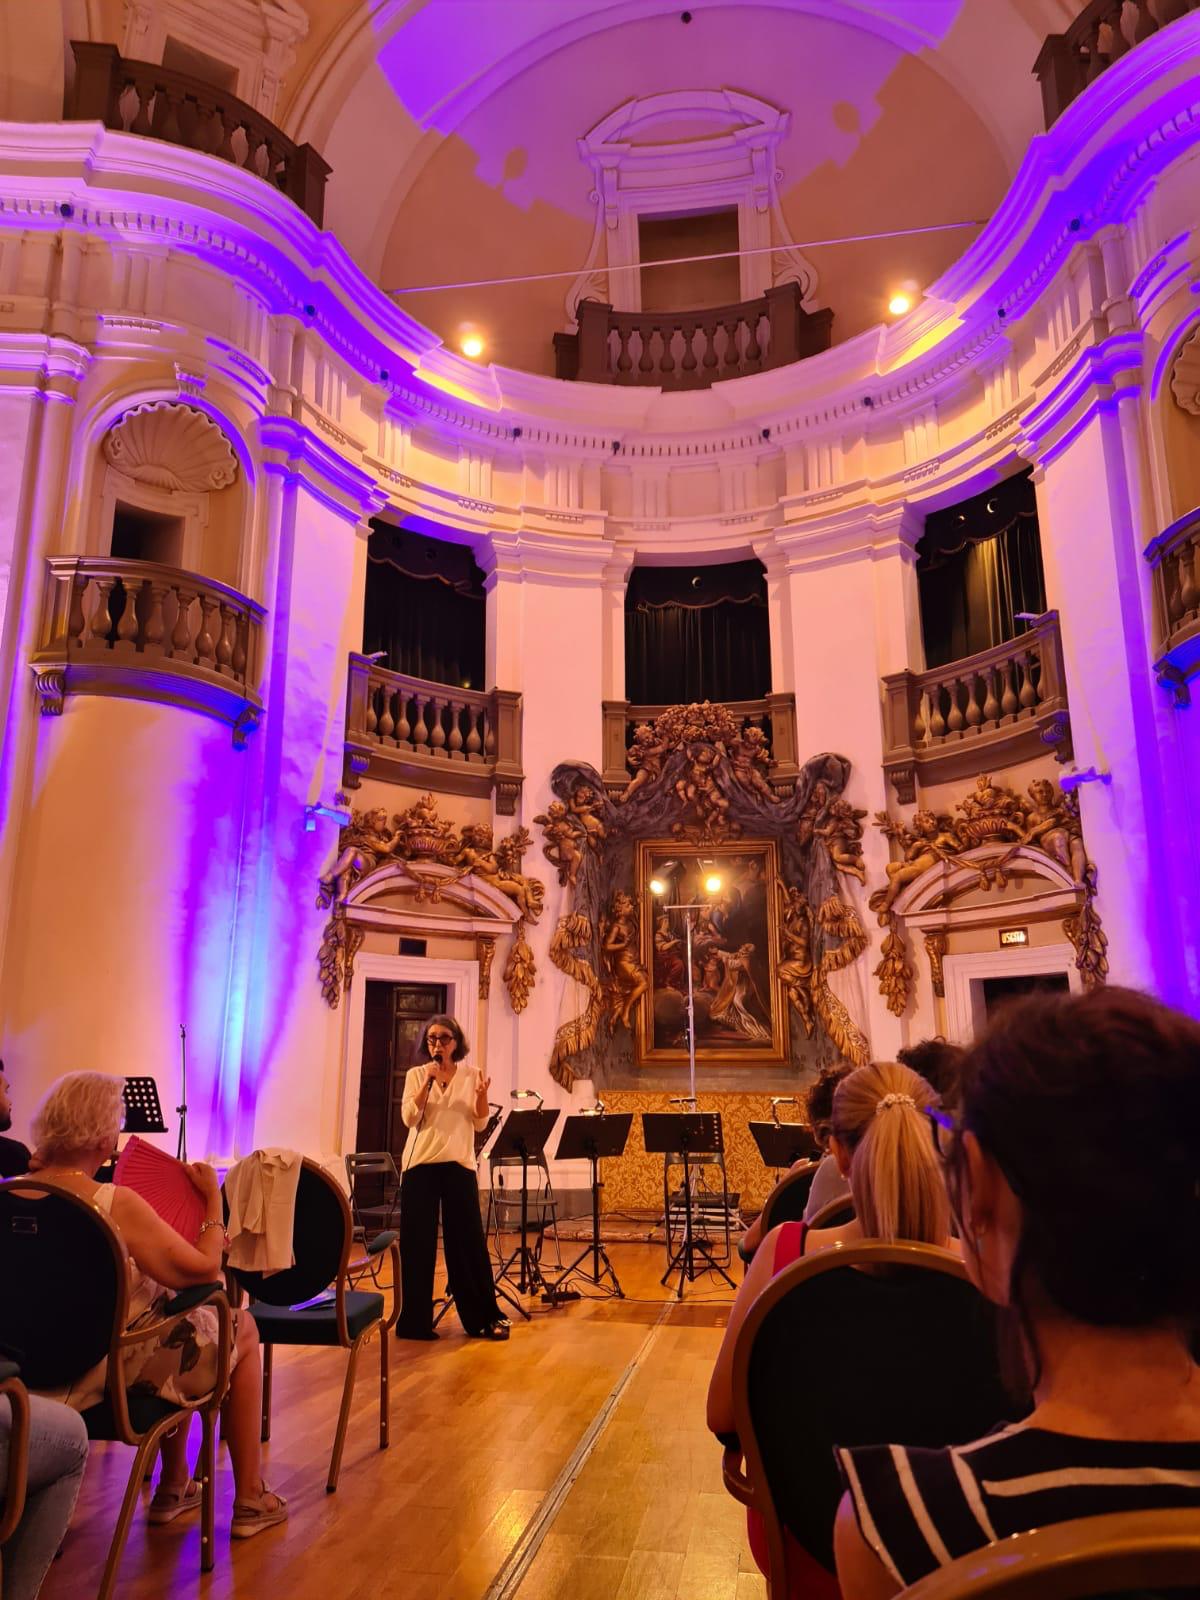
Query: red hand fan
[[162, 1181]]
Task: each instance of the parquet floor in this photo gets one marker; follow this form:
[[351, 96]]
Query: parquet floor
[[481, 1437]]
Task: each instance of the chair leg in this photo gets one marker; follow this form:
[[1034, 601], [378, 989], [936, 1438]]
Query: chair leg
[[208, 1465], [385, 1399], [339, 1438], [145, 1452], [268, 1351]]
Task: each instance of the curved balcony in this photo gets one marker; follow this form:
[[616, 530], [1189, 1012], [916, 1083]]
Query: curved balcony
[[988, 710], [147, 632], [775, 714], [155, 101], [1100, 34], [1174, 559], [691, 349], [432, 736]]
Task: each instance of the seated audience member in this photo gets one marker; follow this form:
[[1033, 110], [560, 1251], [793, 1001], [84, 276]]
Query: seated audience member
[[828, 1183], [75, 1130], [58, 1448], [881, 1141], [1074, 1171], [938, 1062], [14, 1157]]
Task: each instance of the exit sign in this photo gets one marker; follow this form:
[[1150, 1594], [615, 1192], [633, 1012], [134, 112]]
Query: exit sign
[[1014, 936]]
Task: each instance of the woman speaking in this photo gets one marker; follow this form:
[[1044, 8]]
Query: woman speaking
[[445, 1105]]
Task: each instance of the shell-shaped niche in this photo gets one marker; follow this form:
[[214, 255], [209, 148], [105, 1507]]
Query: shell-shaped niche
[[171, 446], [1185, 376]]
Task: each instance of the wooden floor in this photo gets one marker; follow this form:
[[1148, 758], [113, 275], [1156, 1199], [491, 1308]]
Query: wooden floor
[[471, 1501]]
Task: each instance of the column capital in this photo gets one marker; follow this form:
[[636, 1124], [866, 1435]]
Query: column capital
[[858, 532], [528, 556], [1084, 380], [292, 451]]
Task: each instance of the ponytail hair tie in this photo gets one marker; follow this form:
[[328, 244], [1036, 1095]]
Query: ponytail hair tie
[[890, 1100]]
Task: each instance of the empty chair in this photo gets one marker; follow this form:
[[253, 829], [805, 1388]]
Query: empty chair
[[787, 1200], [374, 1185]]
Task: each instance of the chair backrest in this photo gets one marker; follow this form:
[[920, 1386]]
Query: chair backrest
[[1134, 1553], [870, 1344], [373, 1181], [836, 1213], [787, 1200], [66, 1282], [321, 1238]]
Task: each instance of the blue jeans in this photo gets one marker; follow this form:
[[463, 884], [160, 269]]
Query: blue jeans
[[58, 1447]]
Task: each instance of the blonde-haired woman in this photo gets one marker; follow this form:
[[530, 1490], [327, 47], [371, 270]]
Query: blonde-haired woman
[[882, 1144], [75, 1131]]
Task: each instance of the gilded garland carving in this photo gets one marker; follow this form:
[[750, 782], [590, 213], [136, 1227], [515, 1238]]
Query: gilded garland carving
[[1043, 819], [700, 774], [419, 839]]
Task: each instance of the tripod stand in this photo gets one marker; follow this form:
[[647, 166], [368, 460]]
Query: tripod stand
[[686, 1134], [523, 1138], [594, 1136]]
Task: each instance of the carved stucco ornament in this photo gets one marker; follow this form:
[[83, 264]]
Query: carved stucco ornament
[[171, 446], [1185, 376]]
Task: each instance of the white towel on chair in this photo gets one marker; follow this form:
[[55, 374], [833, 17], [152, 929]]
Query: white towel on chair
[[261, 1191]]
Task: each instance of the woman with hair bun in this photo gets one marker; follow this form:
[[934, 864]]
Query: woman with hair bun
[[881, 1141], [1074, 1172]]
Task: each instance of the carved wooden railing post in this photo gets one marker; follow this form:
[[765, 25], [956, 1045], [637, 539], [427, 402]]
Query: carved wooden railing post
[[509, 776], [1102, 32], [781, 711], [594, 320], [1174, 559], [614, 742]]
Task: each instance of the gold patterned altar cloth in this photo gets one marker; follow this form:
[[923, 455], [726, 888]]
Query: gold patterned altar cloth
[[635, 1180]]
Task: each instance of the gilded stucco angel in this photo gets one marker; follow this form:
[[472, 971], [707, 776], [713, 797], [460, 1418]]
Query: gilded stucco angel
[[842, 831], [626, 978], [363, 845], [644, 759], [930, 839], [562, 841]]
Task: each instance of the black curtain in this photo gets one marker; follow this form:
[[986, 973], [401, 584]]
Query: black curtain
[[978, 564], [425, 607], [697, 633]]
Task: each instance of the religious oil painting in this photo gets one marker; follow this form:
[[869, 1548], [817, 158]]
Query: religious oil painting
[[728, 894]]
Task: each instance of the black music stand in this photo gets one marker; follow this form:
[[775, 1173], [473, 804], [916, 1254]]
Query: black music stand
[[594, 1136], [685, 1134], [523, 1137], [782, 1144], [143, 1108]]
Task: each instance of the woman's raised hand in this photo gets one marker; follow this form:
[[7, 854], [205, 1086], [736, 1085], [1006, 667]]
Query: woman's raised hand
[[203, 1177]]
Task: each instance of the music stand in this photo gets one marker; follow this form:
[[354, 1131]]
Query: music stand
[[782, 1144], [686, 1134], [143, 1108], [594, 1136], [523, 1137]]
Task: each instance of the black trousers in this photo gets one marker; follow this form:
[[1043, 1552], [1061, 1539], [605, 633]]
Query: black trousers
[[468, 1265]]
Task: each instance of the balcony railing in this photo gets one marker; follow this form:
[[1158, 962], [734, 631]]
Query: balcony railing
[[1174, 559], [430, 735], [775, 714], [148, 632], [142, 97], [1103, 31], [691, 349], [991, 709]]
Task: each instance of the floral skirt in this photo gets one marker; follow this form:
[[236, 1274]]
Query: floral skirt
[[182, 1366]]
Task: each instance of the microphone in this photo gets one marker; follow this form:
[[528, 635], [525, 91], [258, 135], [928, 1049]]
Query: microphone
[[526, 1094], [782, 1100]]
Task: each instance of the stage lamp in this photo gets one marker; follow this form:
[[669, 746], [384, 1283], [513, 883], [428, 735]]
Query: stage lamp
[[657, 886], [712, 884], [472, 346], [899, 304]]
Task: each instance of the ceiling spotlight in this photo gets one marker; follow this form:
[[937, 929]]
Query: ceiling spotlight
[[472, 346], [657, 886], [899, 304], [712, 884]]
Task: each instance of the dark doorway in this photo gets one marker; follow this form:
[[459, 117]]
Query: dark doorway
[[394, 1019], [999, 991]]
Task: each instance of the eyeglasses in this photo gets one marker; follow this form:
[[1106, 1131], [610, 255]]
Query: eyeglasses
[[439, 1038], [944, 1128]]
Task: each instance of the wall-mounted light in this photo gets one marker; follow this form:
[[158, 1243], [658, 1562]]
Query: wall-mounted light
[[712, 884], [471, 346], [899, 304]]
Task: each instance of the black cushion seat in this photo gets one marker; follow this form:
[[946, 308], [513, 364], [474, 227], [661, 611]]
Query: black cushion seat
[[145, 1410], [316, 1324]]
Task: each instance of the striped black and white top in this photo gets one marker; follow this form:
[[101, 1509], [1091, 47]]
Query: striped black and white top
[[921, 1509]]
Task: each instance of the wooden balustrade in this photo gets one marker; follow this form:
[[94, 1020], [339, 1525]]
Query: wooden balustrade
[[775, 714], [410, 731], [991, 709], [1103, 31], [146, 98], [691, 349], [148, 632], [1174, 559]]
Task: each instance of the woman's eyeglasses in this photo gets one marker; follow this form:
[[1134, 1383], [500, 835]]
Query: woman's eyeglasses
[[439, 1038]]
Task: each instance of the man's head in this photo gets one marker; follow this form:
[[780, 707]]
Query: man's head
[[5, 1102]]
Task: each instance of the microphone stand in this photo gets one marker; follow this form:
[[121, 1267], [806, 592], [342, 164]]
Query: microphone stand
[[181, 1147]]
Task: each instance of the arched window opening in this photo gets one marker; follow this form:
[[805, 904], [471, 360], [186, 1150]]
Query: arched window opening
[[979, 566], [424, 607], [697, 633]]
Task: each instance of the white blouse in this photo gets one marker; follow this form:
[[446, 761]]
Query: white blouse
[[447, 1130]]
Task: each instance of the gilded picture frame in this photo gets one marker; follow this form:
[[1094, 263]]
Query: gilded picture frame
[[740, 1003]]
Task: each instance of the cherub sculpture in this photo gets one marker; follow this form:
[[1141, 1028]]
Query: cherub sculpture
[[796, 969], [842, 831], [750, 756], [364, 843], [627, 980], [499, 866], [989, 813], [813, 807], [644, 759], [562, 841], [697, 786], [1052, 824], [930, 840], [582, 806]]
